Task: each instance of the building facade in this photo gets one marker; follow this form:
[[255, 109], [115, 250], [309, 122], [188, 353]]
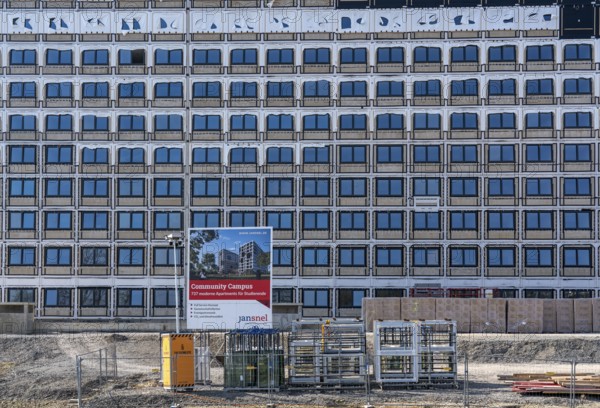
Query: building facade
[[394, 151]]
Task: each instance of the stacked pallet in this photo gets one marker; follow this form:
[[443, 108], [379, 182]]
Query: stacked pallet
[[553, 383]]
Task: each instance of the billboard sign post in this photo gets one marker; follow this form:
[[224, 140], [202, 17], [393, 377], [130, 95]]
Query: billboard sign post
[[229, 278]]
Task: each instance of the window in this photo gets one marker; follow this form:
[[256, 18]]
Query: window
[[165, 297], [131, 221], [389, 220], [317, 89], [59, 154], [244, 57], [389, 187], [312, 155], [426, 154], [280, 57], [315, 256], [317, 56], [243, 188], [315, 298], [22, 188], [501, 220], [577, 220], [165, 256], [94, 123], [390, 55], [501, 257], [427, 88], [21, 220], [353, 56], [501, 187], [390, 121], [206, 155], [390, 89], [463, 154], [539, 87], [207, 57], [23, 57], [132, 123], [168, 57], [469, 53], [502, 87], [94, 57], [428, 55], [390, 154], [171, 220], [59, 123], [280, 89], [352, 220], [283, 257], [463, 187], [132, 90], [243, 122], [353, 122], [281, 221], [94, 220], [206, 219], [464, 121], [168, 155], [23, 90], [577, 120], [94, 256], [280, 155], [21, 295], [351, 298], [280, 122], [57, 220], [22, 155], [241, 155], [57, 256], [353, 89], [539, 153], [538, 187], [168, 188], [463, 257], [501, 154], [463, 220], [426, 257], [429, 186], [467, 87], [94, 187], [577, 152], [312, 187], [280, 187], [57, 297], [130, 256], [353, 187], [539, 220], [59, 57], [130, 297], [577, 257], [93, 297], [316, 122], [389, 256], [131, 155], [95, 90], [132, 57], [578, 52], [171, 123], [22, 256], [428, 221], [283, 295], [501, 121], [208, 89], [540, 53], [206, 122], [580, 186], [579, 86], [168, 90], [59, 90], [355, 257], [315, 220], [353, 154], [131, 187], [505, 53], [242, 219], [243, 89], [426, 121], [577, 293]]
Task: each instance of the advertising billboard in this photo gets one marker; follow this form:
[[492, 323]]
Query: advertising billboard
[[229, 278]]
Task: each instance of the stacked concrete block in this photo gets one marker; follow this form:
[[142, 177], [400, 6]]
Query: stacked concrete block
[[525, 316], [479, 315], [564, 316], [549, 316], [456, 309], [596, 315], [380, 309], [496, 316], [583, 316], [418, 308]]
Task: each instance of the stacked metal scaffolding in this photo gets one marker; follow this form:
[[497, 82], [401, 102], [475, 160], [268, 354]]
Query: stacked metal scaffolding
[[254, 359], [327, 353], [414, 352]]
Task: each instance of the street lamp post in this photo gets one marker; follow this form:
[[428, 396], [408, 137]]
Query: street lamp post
[[176, 240]]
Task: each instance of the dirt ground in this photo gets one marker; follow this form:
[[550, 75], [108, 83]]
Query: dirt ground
[[39, 371]]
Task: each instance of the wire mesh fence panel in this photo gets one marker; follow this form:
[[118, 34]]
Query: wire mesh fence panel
[[587, 383]]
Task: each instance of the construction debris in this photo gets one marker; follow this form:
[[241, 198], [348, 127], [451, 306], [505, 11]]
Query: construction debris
[[553, 383]]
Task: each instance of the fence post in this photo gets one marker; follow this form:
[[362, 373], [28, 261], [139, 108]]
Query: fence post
[[572, 384], [466, 402], [100, 367], [78, 369]]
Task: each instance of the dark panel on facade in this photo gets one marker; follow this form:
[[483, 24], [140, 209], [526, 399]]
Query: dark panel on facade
[[578, 21], [352, 4], [537, 2], [464, 3], [389, 3], [498, 3], [427, 3]]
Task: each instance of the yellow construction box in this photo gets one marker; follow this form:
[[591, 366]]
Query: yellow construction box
[[177, 361]]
